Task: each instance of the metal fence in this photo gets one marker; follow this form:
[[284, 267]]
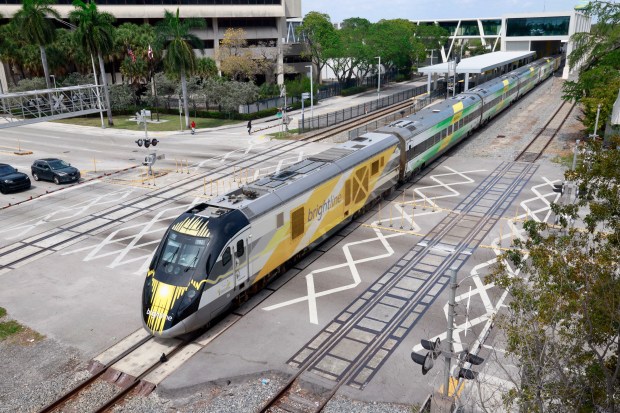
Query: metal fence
[[333, 118], [322, 92], [378, 123]]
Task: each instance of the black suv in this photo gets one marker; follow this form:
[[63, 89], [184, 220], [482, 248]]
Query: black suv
[[56, 170], [11, 180]]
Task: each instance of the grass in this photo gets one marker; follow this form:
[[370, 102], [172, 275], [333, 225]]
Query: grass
[[284, 135], [172, 124], [564, 160], [8, 328]]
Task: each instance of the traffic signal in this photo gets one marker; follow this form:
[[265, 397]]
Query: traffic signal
[[432, 346], [139, 142], [154, 142]]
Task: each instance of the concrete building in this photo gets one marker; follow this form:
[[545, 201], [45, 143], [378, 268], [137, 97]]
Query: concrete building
[[264, 21], [545, 33]]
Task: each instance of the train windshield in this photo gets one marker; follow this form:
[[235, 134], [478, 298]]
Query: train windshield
[[180, 254]]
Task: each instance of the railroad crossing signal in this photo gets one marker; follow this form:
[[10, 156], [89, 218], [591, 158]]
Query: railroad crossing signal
[[147, 142], [559, 188], [434, 351]]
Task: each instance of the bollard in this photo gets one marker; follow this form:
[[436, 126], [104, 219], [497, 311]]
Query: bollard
[[176, 165], [412, 218], [379, 212], [95, 163], [390, 215], [211, 193], [187, 165], [234, 173], [154, 179], [424, 205], [204, 186], [500, 235], [413, 198]]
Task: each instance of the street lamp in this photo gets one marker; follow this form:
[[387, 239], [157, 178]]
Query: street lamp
[[311, 94], [378, 76]]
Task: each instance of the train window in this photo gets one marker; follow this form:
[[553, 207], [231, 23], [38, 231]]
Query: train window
[[347, 192], [382, 161], [280, 220], [374, 168], [297, 222], [226, 256], [240, 248]]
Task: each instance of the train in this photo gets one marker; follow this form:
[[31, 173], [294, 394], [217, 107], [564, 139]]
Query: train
[[217, 253]]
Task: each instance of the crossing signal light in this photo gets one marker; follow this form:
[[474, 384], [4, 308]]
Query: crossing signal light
[[426, 361], [154, 142], [147, 143], [467, 374], [140, 142], [467, 357], [559, 188]]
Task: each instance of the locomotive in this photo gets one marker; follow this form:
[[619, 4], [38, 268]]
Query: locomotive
[[215, 253]]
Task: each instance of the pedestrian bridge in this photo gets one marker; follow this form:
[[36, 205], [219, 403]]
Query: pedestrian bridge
[[23, 108]]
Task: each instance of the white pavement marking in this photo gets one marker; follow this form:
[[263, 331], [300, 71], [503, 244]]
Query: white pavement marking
[[351, 264], [65, 213], [143, 229]]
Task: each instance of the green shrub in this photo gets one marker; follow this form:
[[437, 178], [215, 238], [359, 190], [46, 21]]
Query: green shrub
[[354, 90]]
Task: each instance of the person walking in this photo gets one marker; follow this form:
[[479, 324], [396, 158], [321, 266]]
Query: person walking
[[250, 127], [193, 126]]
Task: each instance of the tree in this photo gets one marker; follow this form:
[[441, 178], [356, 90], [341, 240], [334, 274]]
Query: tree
[[95, 34], [393, 41], [598, 54], [33, 22], [206, 68], [179, 58], [319, 35], [230, 94], [563, 324], [351, 54], [236, 60]]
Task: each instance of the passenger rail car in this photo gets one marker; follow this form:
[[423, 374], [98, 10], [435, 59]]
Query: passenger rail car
[[214, 253]]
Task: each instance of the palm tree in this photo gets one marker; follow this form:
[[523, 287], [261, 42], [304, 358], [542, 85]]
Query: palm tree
[[95, 34], [180, 58], [34, 24]]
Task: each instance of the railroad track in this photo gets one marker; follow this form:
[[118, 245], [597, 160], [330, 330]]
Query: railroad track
[[537, 146], [358, 341]]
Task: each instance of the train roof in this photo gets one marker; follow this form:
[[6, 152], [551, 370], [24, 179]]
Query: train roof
[[430, 116], [260, 196]]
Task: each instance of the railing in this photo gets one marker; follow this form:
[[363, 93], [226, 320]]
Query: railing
[[333, 118], [378, 123], [24, 108]]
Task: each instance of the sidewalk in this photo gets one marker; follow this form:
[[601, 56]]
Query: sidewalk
[[268, 124]]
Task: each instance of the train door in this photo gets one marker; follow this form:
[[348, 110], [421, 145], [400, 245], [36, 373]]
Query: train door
[[240, 251]]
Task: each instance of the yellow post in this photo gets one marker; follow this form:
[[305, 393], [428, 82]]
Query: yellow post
[[141, 178], [204, 186], [234, 172], [154, 179], [413, 198], [412, 218], [500, 234], [402, 212], [211, 193], [176, 165], [187, 165], [390, 215], [379, 212], [95, 163]]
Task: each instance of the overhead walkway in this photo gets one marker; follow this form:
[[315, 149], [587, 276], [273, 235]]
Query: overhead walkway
[[482, 67], [23, 108]]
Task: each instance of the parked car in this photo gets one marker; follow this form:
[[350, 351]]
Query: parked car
[[53, 169], [11, 180]]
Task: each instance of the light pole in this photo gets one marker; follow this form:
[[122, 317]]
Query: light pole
[[378, 76], [311, 94]]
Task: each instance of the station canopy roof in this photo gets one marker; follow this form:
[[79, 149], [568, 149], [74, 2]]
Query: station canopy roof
[[480, 63]]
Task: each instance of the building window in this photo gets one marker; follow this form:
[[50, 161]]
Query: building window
[[491, 27], [538, 26]]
